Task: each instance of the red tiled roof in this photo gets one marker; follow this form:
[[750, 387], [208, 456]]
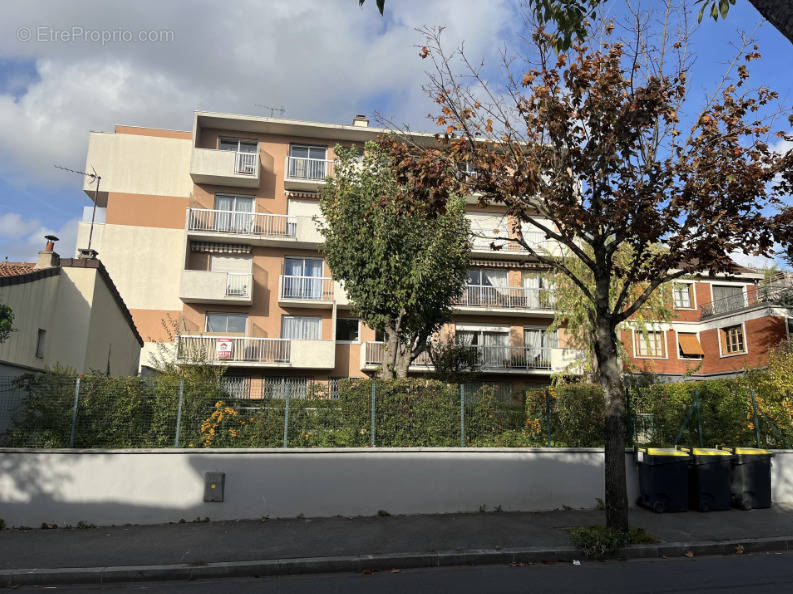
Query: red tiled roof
[[16, 268]]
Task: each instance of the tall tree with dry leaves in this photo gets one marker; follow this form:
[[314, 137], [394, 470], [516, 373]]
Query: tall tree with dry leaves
[[589, 149]]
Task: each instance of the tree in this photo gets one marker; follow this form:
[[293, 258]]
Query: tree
[[589, 150], [570, 16], [574, 312], [6, 322], [401, 270]]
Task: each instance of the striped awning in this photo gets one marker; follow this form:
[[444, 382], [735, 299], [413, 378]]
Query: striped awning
[[301, 194], [219, 248], [508, 264]]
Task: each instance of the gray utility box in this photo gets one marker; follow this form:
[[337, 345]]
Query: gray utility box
[[214, 484]]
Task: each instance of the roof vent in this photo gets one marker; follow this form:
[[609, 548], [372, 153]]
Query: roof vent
[[87, 254], [361, 121]]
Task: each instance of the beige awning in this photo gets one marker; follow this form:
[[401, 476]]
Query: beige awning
[[508, 264], [689, 345], [219, 248]]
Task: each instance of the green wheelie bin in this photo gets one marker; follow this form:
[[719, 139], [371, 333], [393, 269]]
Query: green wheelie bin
[[751, 478], [663, 479], [709, 476]]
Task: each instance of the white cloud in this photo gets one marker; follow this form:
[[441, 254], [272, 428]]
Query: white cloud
[[323, 61], [756, 262], [21, 238]]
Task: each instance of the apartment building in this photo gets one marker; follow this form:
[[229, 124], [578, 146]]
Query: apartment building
[[212, 231], [720, 326]]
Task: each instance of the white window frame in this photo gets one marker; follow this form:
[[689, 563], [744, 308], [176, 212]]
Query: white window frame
[[638, 337], [309, 147], [290, 316], [677, 342], [225, 313], [722, 349], [239, 141], [692, 295]]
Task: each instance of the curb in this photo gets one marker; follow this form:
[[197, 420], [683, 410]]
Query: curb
[[307, 565]]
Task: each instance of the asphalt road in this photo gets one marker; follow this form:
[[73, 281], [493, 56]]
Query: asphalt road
[[761, 573]]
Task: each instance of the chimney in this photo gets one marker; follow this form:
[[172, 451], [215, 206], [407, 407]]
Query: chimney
[[48, 258], [361, 121]]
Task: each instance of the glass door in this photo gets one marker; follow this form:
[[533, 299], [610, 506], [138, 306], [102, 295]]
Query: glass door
[[236, 214]]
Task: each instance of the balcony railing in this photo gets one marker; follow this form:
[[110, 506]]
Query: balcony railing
[[483, 238], [241, 223], [769, 295], [246, 163], [488, 357], [306, 288], [212, 349], [305, 169], [238, 284], [489, 297]]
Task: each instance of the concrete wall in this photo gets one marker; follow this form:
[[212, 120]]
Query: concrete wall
[[119, 487], [32, 306]]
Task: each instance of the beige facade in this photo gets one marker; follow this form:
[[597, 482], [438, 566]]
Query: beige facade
[[70, 315]]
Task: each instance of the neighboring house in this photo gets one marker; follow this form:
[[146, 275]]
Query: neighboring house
[[720, 326], [213, 229], [67, 312]]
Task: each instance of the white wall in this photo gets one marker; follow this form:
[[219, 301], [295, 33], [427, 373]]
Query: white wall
[[118, 487]]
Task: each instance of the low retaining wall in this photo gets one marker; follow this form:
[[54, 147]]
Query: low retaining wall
[[152, 486]]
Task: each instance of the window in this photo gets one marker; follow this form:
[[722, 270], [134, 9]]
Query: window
[[688, 346], [241, 146], [727, 298], [487, 277], [307, 162], [493, 346], [347, 329], [732, 339], [683, 295], [301, 328], [302, 278], [40, 343], [226, 322], [246, 161], [236, 216], [649, 344], [236, 387]]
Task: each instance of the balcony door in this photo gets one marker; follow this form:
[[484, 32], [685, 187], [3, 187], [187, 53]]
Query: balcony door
[[487, 287], [537, 343], [303, 278], [301, 328], [236, 214], [537, 290], [247, 151], [307, 162], [727, 298], [493, 346]]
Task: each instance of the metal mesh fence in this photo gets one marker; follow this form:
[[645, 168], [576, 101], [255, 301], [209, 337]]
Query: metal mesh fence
[[60, 411]]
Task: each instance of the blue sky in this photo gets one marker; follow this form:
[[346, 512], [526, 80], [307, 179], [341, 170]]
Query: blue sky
[[323, 61]]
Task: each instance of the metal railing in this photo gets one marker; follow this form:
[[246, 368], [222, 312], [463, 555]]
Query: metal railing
[[241, 223], [768, 295], [238, 284], [309, 288], [486, 296], [305, 169], [246, 163], [488, 357], [214, 349]]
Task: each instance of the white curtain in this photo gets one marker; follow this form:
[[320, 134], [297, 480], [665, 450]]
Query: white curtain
[[301, 328]]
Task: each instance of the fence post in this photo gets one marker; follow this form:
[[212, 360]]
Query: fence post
[[756, 419], [628, 416], [74, 411], [286, 415], [373, 404], [548, 417], [462, 415], [179, 414], [699, 416]]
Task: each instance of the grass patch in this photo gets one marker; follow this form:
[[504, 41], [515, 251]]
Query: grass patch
[[599, 542]]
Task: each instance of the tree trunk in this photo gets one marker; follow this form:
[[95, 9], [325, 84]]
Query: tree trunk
[[614, 395], [779, 13], [391, 347]]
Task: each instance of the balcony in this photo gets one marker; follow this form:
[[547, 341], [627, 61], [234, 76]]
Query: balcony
[[305, 291], [505, 300], [252, 228], [484, 240], [772, 295], [202, 286], [256, 352], [225, 168], [301, 173]]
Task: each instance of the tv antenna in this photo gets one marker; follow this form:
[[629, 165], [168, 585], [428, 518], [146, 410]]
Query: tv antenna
[[95, 178], [273, 110]]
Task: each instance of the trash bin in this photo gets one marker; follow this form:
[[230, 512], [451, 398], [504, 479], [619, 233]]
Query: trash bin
[[663, 479], [751, 478], [709, 477]]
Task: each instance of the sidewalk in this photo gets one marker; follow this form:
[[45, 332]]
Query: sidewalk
[[326, 544]]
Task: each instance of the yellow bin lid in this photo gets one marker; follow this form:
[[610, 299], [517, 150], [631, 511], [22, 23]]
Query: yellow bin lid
[[663, 452], [750, 451], [708, 452]]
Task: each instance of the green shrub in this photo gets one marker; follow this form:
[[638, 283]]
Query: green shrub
[[599, 542]]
